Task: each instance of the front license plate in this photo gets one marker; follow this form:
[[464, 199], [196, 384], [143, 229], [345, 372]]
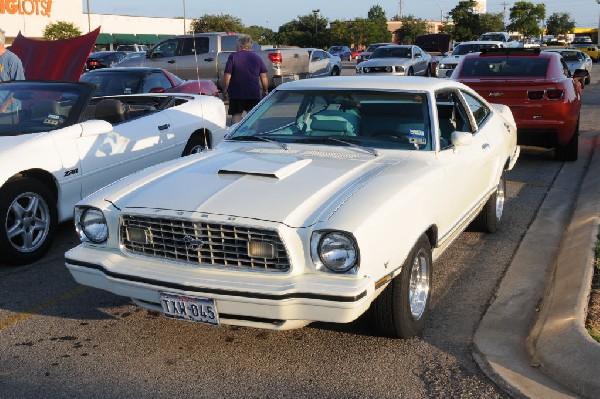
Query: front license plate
[[200, 310]]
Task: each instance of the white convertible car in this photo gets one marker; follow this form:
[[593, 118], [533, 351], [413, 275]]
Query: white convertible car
[[59, 144], [332, 196]]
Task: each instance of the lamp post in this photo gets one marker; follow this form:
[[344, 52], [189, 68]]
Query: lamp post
[[316, 12], [184, 30], [88, 13]]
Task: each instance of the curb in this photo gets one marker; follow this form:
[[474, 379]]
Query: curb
[[560, 329], [506, 335]]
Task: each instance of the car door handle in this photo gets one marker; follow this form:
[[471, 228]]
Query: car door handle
[[485, 146], [164, 127], [171, 61], [209, 59]]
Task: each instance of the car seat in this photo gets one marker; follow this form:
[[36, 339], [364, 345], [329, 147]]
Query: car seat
[[111, 110], [43, 108], [327, 122]]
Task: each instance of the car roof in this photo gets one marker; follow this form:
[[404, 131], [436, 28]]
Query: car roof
[[481, 42], [128, 69], [512, 52], [384, 83]]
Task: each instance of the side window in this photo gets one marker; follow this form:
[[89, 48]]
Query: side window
[[417, 53], [155, 80], [480, 111], [317, 55], [192, 46], [228, 43], [565, 68], [164, 49], [449, 116]]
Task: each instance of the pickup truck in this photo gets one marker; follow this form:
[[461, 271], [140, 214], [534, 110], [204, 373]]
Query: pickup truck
[[500, 37], [203, 56]]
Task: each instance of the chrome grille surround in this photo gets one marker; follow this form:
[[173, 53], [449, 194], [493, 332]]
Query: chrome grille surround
[[201, 243]]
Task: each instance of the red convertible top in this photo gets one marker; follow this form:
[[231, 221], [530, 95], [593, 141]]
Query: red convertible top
[[54, 59]]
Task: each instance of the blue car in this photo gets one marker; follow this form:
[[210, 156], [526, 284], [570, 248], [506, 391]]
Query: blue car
[[343, 52]]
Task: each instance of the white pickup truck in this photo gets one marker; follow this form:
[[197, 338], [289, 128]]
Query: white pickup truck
[[500, 37], [203, 56]]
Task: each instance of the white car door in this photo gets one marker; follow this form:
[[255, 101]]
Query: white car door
[[319, 64], [467, 167], [111, 151]]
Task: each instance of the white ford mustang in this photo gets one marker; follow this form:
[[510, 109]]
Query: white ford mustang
[[332, 196], [59, 144]]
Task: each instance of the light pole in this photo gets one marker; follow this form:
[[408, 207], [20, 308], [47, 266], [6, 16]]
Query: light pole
[[88, 13], [316, 12], [184, 31]]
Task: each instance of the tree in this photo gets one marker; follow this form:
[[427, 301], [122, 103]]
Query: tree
[[377, 26], [490, 22], [340, 32], [260, 34], [61, 30], [466, 21], [560, 24], [217, 23], [411, 28], [525, 18]]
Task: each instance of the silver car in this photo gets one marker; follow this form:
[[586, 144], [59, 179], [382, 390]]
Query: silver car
[[397, 59], [575, 60]]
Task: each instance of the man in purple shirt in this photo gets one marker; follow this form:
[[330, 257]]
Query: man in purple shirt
[[245, 79]]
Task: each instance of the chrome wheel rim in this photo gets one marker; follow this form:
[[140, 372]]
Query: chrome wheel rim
[[27, 222], [419, 284], [197, 149], [500, 197]]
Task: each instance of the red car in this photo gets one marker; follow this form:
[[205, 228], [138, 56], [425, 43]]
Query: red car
[[118, 81], [543, 96]]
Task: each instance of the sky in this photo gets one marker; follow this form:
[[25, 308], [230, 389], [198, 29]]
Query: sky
[[272, 13]]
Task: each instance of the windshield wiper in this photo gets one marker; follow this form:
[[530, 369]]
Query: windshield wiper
[[260, 138], [371, 151]]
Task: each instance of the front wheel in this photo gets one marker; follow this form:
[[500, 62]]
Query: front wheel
[[410, 72], [196, 144], [490, 216], [401, 309], [28, 220], [428, 71], [335, 71]]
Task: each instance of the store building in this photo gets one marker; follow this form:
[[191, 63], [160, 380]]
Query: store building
[[30, 17]]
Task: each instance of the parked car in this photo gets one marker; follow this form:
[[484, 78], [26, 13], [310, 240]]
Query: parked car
[[575, 60], [503, 37], [343, 52], [396, 59], [364, 55], [447, 64], [589, 48], [355, 53], [322, 64], [58, 144], [117, 81], [544, 96], [437, 46], [103, 59], [129, 56], [385, 172], [132, 47]]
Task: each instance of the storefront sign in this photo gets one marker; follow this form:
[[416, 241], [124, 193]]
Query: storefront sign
[[26, 7]]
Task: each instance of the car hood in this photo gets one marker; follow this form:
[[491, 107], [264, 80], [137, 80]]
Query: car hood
[[54, 59], [451, 59], [373, 62], [297, 188]]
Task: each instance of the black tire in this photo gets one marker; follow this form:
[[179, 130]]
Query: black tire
[[569, 152], [490, 216], [335, 71], [28, 220], [410, 72], [396, 316], [428, 71], [588, 80], [196, 144]]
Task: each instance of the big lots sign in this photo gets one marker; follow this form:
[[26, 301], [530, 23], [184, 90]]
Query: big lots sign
[[26, 7]]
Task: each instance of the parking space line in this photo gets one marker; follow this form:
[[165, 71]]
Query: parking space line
[[37, 309]]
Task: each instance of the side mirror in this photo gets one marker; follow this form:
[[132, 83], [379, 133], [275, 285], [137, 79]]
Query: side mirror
[[580, 73], [461, 139]]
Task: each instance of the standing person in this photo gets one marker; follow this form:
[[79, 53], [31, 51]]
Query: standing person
[[245, 79], [11, 67]]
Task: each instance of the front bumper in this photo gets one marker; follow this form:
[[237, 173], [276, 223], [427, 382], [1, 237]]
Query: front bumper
[[256, 299]]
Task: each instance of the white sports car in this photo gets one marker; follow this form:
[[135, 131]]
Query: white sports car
[[59, 144], [397, 60], [332, 196]]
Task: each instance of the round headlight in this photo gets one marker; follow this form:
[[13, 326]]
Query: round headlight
[[338, 252], [93, 225]]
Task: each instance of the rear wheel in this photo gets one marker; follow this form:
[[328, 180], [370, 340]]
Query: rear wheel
[[196, 144], [401, 309], [490, 216], [335, 71], [28, 220], [569, 152], [411, 72]]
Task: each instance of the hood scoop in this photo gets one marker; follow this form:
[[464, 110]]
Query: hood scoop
[[264, 168]]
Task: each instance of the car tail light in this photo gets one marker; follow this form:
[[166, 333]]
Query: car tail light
[[554, 94], [535, 94], [275, 57]]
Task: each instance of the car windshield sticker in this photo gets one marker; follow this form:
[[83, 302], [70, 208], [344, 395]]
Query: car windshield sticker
[[416, 136], [49, 121], [51, 116], [127, 90]]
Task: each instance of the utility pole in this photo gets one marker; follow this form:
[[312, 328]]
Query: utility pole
[[316, 12], [400, 9], [505, 4], [184, 30]]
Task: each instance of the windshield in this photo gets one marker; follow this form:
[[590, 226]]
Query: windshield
[[493, 37], [41, 106], [335, 48], [115, 83], [504, 66], [569, 55], [463, 49], [372, 119], [392, 52]]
